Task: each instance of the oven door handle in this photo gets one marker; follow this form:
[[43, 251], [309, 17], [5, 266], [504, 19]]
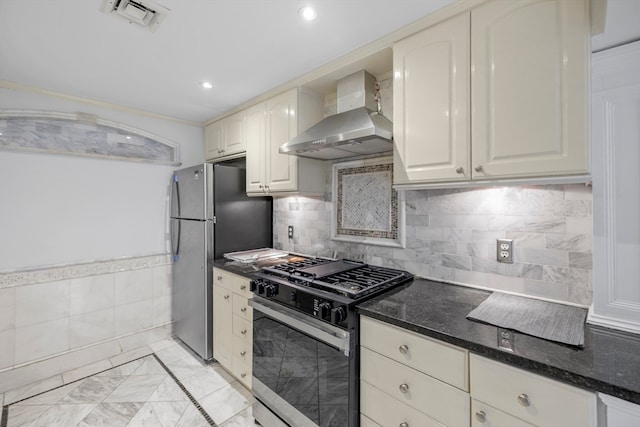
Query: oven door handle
[[326, 333]]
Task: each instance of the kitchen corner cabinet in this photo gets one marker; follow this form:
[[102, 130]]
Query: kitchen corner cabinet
[[498, 92], [226, 137], [233, 324], [269, 125], [507, 396]]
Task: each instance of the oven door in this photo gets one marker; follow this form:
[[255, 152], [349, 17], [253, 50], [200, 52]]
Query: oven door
[[303, 369]]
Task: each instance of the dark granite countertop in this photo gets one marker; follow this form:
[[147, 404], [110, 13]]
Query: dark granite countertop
[[609, 363]]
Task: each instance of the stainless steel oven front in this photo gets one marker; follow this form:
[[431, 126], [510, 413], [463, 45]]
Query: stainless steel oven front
[[304, 369]]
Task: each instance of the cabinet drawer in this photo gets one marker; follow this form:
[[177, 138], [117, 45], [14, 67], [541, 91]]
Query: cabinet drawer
[[386, 411], [242, 328], [535, 399], [242, 371], [366, 422], [241, 286], [241, 349], [440, 401], [241, 307], [224, 278], [439, 360], [483, 415]]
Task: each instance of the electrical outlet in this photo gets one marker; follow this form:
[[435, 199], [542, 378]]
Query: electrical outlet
[[505, 339], [504, 250], [290, 231]]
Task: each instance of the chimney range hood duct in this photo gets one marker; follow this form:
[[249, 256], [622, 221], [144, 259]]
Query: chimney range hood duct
[[358, 129]]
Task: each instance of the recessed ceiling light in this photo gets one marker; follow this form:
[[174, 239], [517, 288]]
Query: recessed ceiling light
[[128, 137], [307, 13], [207, 85]]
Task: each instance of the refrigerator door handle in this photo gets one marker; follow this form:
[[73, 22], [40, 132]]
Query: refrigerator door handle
[[175, 240], [174, 196]]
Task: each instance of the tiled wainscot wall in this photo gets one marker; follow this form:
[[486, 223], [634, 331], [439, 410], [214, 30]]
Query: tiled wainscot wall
[[451, 236], [58, 318]]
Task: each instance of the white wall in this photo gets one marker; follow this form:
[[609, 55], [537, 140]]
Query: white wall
[[57, 209]]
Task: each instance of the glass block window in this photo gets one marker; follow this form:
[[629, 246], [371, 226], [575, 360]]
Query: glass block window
[[82, 135]]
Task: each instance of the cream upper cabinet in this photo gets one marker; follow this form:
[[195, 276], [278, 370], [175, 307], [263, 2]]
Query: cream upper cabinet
[[529, 84], [500, 92], [256, 148], [226, 137], [271, 124], [431, 104], [213, 140]]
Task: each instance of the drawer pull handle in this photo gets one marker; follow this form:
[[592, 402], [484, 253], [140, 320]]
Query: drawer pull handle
[[403, 349], [226, 297], [404, 424], [243, 375], [242, 353], [244, 331], [404, 388], [219, 277], [481, 416], [460, 170], [523, 399], [243, 287], [243, 309], [479, 168]]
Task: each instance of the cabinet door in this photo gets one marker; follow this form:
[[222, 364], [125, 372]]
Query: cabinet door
[[282, 169], [222, 332], [256, 148], [529, 88], [213, 140], [431, 104], [234, 133]]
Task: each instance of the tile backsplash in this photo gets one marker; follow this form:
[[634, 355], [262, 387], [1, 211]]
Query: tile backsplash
[[451, 236]]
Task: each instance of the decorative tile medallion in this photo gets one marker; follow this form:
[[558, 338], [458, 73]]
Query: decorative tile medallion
[[366, 205]]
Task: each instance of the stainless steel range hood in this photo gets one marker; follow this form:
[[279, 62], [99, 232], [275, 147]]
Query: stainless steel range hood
[[358, 128]]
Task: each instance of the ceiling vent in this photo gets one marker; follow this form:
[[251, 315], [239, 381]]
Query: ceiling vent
[[144, 13]]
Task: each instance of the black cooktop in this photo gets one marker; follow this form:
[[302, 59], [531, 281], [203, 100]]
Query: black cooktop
[[352, 279]]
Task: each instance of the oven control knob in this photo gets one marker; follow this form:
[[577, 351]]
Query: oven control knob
[[293, 297], [271, 290], [260, 287], [253, 285], [324, 310], [338, 315]]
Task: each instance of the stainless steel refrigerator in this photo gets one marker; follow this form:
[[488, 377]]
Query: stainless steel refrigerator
[[210, 215]]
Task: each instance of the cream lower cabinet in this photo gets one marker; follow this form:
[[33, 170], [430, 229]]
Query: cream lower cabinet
[[269, 125], [226, 137], [517, 109], [233, 324], [408, 378], [508, 396]]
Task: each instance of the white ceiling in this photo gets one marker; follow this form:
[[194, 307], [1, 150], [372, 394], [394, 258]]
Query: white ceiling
[[245, 47]]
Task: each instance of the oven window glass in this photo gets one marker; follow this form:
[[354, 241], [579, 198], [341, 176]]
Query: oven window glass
[[308, 374]]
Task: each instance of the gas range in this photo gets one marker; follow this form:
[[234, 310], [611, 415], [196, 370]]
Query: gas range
[[325, 288]]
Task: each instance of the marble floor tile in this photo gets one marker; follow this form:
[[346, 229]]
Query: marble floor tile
[[24, 415], [29, 390], [165, 414], [193, 418], [227, 402], [93, 390], [51, 397], [136, 388], [128, 356], [111, 414], [85, 371], [62, 415], [138, 392]]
